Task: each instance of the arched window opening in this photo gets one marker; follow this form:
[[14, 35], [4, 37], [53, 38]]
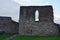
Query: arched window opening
[[36, 15]]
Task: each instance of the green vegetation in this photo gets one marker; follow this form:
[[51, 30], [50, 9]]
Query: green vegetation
[[37, 38], [4, 36]]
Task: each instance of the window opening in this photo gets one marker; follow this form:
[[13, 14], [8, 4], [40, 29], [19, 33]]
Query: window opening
[[36, 15]]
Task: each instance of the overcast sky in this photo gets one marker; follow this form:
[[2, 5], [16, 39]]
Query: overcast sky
[[10, 8]]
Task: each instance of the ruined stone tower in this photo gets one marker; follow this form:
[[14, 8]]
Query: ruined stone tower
[[45, 26]]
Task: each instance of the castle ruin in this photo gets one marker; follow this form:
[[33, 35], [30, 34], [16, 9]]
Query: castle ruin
[[8, 25], [43, 27]]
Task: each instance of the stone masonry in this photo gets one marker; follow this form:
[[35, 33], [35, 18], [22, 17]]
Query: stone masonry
[[8, 25], [44, 27]]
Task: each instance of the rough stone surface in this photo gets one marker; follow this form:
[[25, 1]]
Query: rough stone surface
[[8, 25], [44, 27]]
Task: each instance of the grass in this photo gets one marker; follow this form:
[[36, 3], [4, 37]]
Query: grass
[[4, 36], [37, 38]]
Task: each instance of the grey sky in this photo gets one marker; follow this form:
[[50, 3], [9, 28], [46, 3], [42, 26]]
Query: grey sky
[[9, 8]]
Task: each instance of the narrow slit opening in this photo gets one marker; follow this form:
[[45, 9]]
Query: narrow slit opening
[[36, 15]]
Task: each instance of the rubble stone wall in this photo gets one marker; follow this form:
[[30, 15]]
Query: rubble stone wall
[[44, 27]]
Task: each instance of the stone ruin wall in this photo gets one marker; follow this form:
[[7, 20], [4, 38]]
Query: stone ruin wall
[[8, 25], [45, 25]]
